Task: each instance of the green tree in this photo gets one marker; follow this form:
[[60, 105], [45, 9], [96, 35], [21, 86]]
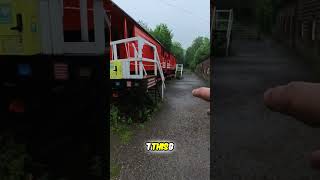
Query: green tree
[[145, 26], [190, 53], [164, 35], [203, 52], [197, 52], [178, 52]]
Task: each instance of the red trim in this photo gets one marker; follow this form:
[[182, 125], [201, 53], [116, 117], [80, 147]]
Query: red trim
[[17, 106]]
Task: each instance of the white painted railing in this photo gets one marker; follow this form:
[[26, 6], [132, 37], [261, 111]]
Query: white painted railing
[[179, 70], [138, 59]]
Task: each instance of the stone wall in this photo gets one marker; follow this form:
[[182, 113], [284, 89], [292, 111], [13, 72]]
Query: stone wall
[[203, 70]]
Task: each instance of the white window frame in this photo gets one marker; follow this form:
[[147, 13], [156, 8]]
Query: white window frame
[[51, 19]]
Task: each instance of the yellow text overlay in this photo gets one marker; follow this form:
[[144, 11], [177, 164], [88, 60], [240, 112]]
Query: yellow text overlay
[[160, 146]]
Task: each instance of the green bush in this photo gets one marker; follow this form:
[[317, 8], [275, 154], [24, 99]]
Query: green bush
[[197, 52], [115, 117], [12, 158]]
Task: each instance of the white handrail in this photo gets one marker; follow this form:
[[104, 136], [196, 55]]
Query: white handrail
[[138, 59], [144, 70], [179, 68], [229, 31], [160, 68]]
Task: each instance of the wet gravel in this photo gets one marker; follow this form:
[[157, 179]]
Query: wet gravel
[[182, 119], [252, 142]]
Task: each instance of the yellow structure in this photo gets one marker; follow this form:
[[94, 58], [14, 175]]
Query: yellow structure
[[19, 27], [116, 69]]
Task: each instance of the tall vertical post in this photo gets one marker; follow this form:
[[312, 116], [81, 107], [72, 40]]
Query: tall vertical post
[[181, 69], [45, 25], [162, 90], [314, 25], [56, 24], [84, 20], [155, 61], [140, 47], [99, 12], [114, 52], [135, 62]]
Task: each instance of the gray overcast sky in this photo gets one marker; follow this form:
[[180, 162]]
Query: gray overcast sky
[[187, 19]]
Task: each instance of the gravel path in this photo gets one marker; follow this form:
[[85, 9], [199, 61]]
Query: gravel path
[[182, 119]]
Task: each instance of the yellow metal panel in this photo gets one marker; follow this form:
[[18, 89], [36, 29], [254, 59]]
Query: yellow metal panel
[[116, 69], [13, 42], [32, 33]]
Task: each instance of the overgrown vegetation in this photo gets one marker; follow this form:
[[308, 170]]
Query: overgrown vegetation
[[120, 125], [12, 158], [114, 170], [178, 52], [125, 117], [165, 36], [16, 163], [197, 52]]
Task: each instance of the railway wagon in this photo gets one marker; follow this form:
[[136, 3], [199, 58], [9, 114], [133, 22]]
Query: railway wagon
[[72, 21], [142, 59], [171, 66], [168, 64], [52, 43], [53, 57], [123, 27]]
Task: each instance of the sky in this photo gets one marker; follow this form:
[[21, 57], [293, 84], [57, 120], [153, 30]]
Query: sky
[[187, 19]]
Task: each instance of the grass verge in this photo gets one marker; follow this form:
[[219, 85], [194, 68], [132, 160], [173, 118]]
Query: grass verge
[[114, 170], [125, 118]]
